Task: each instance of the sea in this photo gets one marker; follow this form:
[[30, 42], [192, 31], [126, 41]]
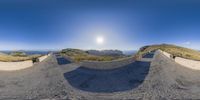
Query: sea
[[129, 52], [30, 52]]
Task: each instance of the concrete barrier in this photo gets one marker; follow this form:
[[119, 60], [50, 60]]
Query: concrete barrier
[[11, 66], [165, 53], [188, 63], [192, 64], [43, 57], [107, 64]]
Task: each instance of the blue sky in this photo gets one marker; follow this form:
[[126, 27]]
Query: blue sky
[[124, 24]]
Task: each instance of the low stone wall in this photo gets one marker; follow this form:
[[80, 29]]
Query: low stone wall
[[165, 53], [192, 64], [107, 64], [43, 57], [188, 63], [10, 66]]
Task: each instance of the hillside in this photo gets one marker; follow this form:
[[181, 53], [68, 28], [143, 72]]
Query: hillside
[[172, 49], [105, 52], [91, 55], [18, 53], [16, 56]]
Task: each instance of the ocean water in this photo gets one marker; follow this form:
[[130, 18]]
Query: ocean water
[[29, 52], [130, 52]]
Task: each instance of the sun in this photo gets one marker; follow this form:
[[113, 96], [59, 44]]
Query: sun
[[100, 40]]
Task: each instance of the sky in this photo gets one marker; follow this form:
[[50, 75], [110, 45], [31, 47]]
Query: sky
[[123, 24]]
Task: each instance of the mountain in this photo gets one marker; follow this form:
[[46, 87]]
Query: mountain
[[2, 53], [28, 52], [92, 55], [105, 52], [129, 52]]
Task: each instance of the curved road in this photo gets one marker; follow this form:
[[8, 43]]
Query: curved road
[[161, 78]]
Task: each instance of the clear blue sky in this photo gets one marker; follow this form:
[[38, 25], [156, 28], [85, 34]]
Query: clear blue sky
[[124, 24]]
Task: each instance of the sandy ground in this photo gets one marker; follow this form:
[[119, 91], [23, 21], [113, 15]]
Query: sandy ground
[[12, 66], [158, 78]]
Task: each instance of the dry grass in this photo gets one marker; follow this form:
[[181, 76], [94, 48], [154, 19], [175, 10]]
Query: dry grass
[[92, 58], [80, 55], [172, 49], [10, 58]]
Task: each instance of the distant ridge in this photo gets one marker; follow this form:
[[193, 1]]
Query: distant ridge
[[105, 52], [129, 52], [92, 55]]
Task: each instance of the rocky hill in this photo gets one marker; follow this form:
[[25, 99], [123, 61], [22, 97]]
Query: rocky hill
[[18, 53]]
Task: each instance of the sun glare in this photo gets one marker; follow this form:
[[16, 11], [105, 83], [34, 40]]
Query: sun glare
[[100, 40]]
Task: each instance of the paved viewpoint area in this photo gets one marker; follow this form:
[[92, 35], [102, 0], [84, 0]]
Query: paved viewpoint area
[[114, 80], [57, 78]]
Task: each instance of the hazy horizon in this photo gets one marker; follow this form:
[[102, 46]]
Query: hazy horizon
[[45, 50], [98, 24]]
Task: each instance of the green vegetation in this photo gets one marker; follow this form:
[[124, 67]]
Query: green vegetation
[[172, 49], [80, 55], [14, 57], [18, 54]]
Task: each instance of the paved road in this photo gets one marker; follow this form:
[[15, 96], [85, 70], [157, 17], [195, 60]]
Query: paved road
[[113, 80], [163, 79]]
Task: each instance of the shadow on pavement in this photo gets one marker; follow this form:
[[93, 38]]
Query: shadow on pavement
[[62, 61], [120, 79], [149, 55]]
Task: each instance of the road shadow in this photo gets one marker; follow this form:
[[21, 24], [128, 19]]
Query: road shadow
[[115, 80], [62, 61], [148, 55]]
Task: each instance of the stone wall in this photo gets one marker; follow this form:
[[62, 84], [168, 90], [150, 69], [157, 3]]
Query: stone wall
[[10, 66], [188, 63], [165, 53], [192, 64], [43, 57]]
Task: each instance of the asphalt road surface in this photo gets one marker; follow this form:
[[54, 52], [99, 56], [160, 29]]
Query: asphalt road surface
[[161, 78]]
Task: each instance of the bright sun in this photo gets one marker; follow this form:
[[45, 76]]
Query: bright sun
[[100, 40]]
